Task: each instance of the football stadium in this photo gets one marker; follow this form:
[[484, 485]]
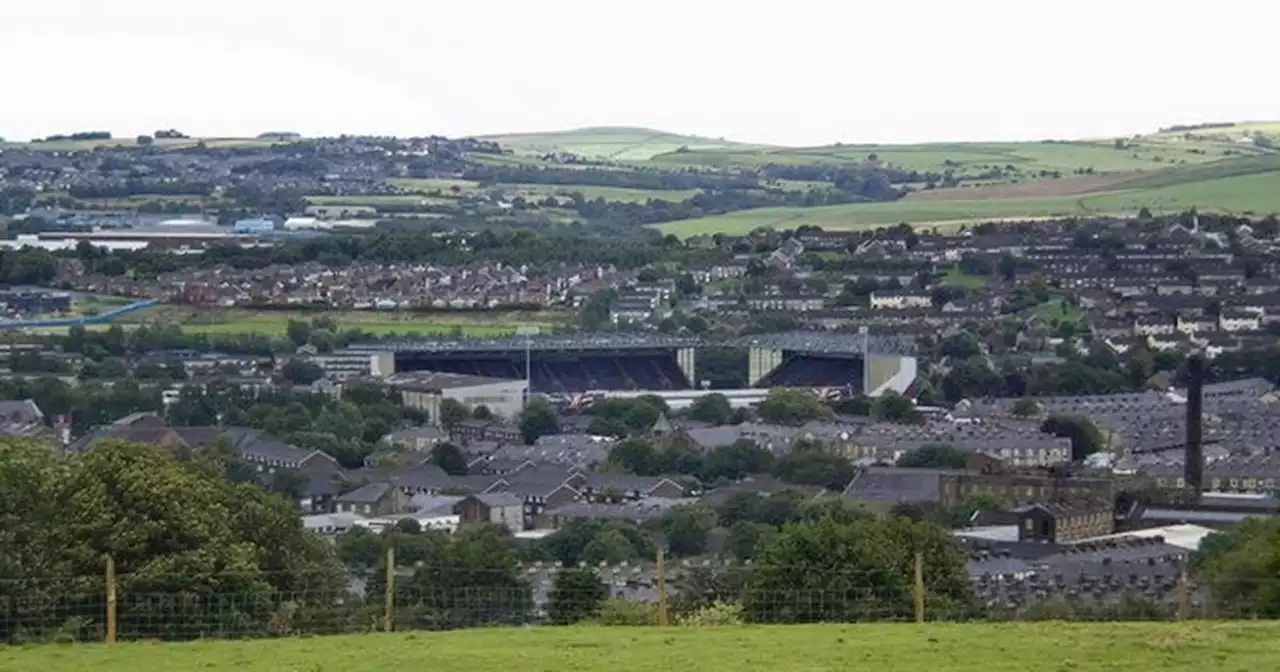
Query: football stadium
[[626, 365], [555, 364]]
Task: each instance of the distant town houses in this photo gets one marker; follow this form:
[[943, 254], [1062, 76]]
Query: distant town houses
[[482, 285]]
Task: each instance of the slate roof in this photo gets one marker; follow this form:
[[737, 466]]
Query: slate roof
[[498, 500], [896, 485], [370, 493]]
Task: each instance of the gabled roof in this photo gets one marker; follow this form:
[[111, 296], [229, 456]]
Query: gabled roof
[[497, 500], [625, 482], [21, 412], [896, 484], [423, 477], [367, 494]]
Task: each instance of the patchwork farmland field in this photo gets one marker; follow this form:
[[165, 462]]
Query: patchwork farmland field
[[1152, 152], [1247, 191], [1078, 647]]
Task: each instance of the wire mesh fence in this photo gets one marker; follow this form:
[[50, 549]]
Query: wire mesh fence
[[256, 605]]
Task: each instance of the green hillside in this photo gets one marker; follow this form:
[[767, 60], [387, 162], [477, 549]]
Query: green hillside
[[1145, 153], [1243, 190], [618, 143], [979, 647]]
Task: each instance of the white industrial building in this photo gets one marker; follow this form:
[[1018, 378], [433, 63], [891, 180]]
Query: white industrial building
[[424, 390]]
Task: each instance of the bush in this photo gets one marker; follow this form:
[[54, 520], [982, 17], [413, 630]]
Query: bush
[[616, 611], [715, 615]]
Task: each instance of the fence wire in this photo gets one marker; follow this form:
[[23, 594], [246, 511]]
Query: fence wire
[[260, 605]]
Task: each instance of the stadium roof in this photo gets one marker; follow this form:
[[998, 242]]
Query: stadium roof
[[537, 342], [829, 342], [429, 381]]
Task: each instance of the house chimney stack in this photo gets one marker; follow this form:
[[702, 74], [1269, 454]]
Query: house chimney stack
[[1193, 473]]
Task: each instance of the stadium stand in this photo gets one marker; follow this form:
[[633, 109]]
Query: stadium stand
[[567, 365], [559, 364], [802, 370], [850, 363]]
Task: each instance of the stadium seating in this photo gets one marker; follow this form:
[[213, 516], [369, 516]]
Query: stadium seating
[[815, 371], [563, 373]]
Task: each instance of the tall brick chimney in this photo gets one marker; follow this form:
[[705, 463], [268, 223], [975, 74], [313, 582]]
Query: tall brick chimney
[[1193, 468]]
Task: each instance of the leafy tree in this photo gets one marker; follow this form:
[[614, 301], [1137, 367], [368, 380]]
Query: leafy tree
[[360, 548], [609, 546], [686, 529], [711, 408], [960, 346], [812, 464], [935, 456], [1239, 566], [575, 596], [1007, 266], [636, 456], [538, 419], [740, 506], [732, 462], [893, 407], [827, 571], [298, 331], [838, 509], [970, 379], [572, 543], [790, 407], [1026, 407], [482, 412], [450, 458], [175, 530], [627, 415], [1085, 437], [301, 372], [744, 537], [474, 580], [452, 412], [595, 311], [856, 405]]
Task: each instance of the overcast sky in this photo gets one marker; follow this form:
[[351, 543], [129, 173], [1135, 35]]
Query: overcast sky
[[791, 72]]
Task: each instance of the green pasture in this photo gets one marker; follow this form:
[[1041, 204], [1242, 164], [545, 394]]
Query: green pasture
[[541, 191], [374, 322], [275, 322], [616, 143], [1257, 193], [972, 158], [978, 647]]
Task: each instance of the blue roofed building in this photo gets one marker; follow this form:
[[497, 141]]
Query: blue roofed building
[[256, 225]]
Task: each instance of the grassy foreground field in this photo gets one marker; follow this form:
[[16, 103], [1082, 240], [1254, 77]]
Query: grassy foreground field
[[1052, 647]]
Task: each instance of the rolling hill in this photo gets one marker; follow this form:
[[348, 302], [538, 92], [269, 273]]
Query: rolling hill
[[617, 143], [1251, 192]]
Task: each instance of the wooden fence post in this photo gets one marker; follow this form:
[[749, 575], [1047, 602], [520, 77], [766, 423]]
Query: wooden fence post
[[111, 600], [1184, 597], [919, 586], [389, 601], [661, 572]]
